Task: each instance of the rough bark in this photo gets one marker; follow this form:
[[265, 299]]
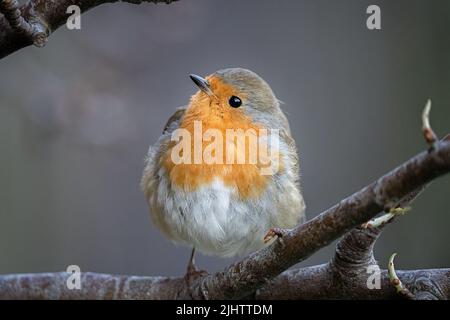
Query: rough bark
[[345, 277], [39, 18]]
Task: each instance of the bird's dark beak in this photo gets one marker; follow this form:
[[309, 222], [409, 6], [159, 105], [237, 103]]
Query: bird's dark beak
[[202, 83]]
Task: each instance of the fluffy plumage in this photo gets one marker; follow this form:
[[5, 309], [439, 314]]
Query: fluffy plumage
[[224, 209]]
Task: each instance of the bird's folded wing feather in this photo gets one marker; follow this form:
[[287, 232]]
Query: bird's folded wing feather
[[174, 120]]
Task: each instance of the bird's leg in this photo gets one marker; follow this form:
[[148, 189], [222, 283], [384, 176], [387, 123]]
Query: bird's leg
[[192, 271], [191, 265], [275, 232]]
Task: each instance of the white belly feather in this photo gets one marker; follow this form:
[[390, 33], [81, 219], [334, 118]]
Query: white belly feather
[[215, 221]]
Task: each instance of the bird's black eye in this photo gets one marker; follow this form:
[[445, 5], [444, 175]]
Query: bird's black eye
[[235, 102]]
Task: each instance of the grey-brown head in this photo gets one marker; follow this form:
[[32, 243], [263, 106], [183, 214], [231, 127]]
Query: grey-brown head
[[242, 89]]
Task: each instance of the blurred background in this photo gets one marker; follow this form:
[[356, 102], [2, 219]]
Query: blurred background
[[77, 117]]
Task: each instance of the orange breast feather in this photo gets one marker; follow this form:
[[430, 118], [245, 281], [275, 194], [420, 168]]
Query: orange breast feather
[[215, 113]]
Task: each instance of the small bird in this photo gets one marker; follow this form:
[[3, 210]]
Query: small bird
[[224, 207]]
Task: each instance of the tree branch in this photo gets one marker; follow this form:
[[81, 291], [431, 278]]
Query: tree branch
[[34, 21], [32, 30], [347, 276], [320, 282], [317, 282]]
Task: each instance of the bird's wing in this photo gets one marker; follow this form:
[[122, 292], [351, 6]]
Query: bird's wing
[[293, 154], [155, 152], [174, 120]]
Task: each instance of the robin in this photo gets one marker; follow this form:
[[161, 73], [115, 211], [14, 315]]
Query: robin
[[216, 204]]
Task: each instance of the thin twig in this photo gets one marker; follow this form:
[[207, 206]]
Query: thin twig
[[379, 222], [428, 133], [395, 281]]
